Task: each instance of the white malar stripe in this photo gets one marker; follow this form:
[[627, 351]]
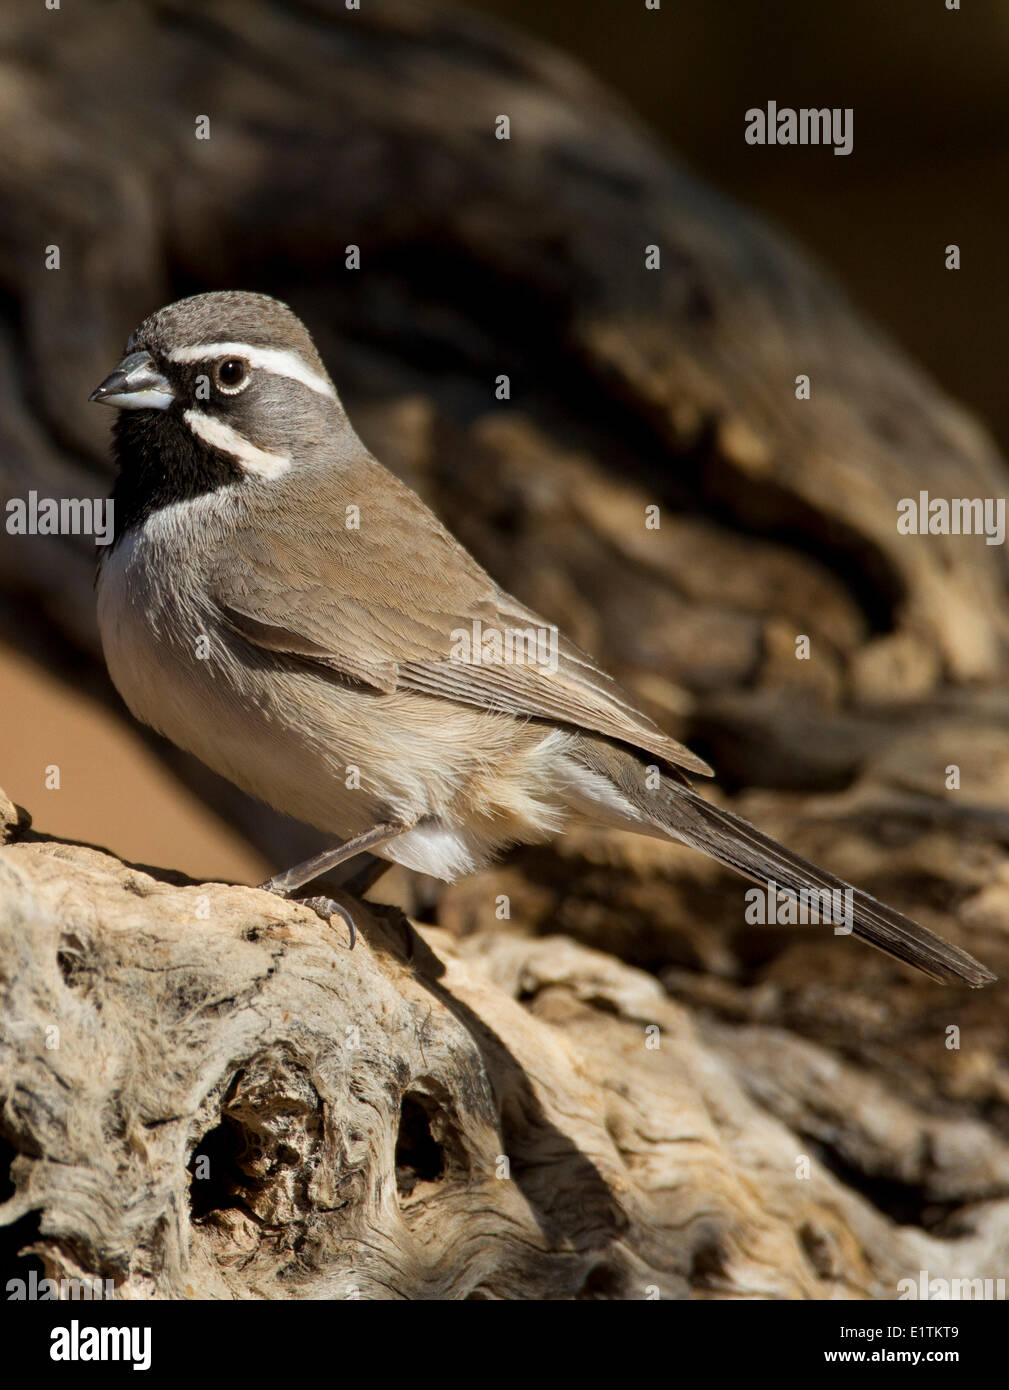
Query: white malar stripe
[[222, 436], [279, 361]]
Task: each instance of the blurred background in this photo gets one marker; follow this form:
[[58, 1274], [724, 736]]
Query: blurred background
[[928, 167]]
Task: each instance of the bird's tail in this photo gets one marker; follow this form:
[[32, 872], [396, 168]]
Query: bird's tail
[[680, 813]]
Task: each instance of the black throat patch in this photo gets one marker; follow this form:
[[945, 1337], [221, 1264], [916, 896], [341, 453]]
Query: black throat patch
[[160, 462]]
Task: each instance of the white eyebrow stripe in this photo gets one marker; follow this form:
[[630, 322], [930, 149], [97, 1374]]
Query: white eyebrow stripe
[[279, 361], [222, 436]]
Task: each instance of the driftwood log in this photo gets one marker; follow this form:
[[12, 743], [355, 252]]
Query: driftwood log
[[620, 1089], [211, 1098]]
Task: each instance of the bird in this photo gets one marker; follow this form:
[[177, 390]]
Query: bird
[[279, 604]]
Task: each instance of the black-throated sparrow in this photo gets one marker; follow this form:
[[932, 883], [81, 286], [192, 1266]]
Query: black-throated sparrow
[[279, 604]]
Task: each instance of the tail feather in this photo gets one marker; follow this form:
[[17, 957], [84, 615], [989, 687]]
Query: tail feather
[[677, 811], [739, 845]]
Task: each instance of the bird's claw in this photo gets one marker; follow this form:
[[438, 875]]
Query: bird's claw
[[328, 908], [324, 908]]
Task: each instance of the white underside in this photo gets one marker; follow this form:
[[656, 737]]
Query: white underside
[[449, 852], [470, 781], [442, 851]]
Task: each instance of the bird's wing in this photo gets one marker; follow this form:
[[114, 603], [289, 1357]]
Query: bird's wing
[[395, 602]]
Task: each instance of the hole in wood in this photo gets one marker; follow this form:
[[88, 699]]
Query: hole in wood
[[419, 1156], [214, 1171]]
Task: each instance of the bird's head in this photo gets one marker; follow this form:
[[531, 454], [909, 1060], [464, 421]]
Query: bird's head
[[216, 390]]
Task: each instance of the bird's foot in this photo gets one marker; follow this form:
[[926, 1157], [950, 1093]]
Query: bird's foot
[[327, 909], [324, 908]]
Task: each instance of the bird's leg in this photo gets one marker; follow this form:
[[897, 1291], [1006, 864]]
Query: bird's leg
[[292, 879], [303, 873]]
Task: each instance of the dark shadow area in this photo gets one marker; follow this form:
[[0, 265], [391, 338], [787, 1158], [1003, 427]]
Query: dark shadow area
[[419, 1158], [19, 1234]]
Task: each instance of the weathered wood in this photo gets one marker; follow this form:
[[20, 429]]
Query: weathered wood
[[381, 1128]]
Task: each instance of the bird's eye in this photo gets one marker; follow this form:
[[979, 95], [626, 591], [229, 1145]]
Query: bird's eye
[[231, 374]]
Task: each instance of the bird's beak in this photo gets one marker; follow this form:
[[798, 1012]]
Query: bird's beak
[[136, 384]]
